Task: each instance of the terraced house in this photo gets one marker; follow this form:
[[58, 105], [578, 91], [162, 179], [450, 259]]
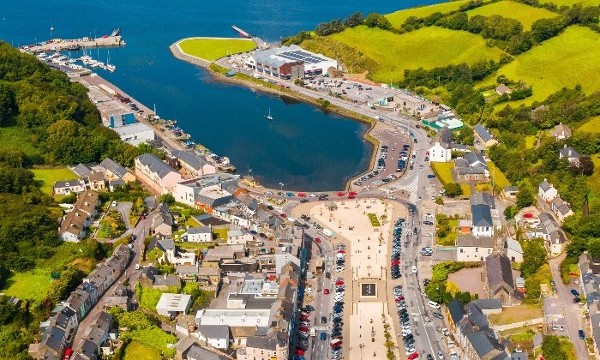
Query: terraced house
[[155, 174]]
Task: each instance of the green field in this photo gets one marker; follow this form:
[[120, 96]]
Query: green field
[[525, 14], [399, 17], [48, 177], [500, 179], [443, 170], [428, 48], [591, 125], [16, 137], [543, 67], [29, 285], [560, 3], [212, 49]]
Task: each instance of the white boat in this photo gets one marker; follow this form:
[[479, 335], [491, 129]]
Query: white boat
[[108, 66], [269, 116]]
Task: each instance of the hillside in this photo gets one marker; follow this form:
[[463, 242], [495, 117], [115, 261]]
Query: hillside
[[399, 17], [393, 53], [525, 14], [563, 61]]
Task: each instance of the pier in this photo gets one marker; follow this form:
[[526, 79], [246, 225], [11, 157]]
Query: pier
[[74, 44]]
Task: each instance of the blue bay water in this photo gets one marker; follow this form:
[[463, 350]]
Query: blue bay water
[[302, 147]]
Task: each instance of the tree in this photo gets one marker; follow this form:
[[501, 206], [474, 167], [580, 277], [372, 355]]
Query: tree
[[8, 105], [377, 20], [585, 166], [355, 19], [453, 189], [525, 196], [466, 136], [167, 199], [534, 256], [593, 247], [510, 212], [552, 349]]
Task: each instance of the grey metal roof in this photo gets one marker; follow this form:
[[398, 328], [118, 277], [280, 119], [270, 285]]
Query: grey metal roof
[[82, 170], [484, 343], [483, 133], [514, 245], [472, 241], [200, 230], [195, 352], [545, 185], [569, 152], [499, 272], [457, 310], [268, 342], [485, 304], [484, 198], [481, 215], [115, 168], [191, 159], [155, 164], [214, 331], [68, 183], [475, 157]]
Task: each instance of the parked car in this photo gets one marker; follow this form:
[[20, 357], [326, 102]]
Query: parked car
[[581, 334], [575, 292]]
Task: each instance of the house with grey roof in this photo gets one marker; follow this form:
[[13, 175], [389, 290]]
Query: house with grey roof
[[483, 198], [502, 89], [513, 250], [190, 349], [115, 171], [238, 235], [569, 153], [510, 191], [561, 132], [471, 248], [156, 174], [95, 342], [547, 191], [82, 170], [561, 208], [590, 285], [217, 336], [67, 187], [481, 218], [485, 136], [199, 234], [472, 167], [271, 346], [193, 163], [162, 220], [499, 279], [188, 191]]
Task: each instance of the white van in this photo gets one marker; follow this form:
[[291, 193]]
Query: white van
[[433, 304]]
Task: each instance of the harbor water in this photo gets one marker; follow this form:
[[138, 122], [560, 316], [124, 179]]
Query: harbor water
[[302, 147]]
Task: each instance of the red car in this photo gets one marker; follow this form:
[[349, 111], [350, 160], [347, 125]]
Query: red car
[[326, 291], [301, 194], [351, 197], [303, 328], [318, 240], [299, 352], [341, 193], [413, 356], [352, 193], [283, 215], [395, 262]]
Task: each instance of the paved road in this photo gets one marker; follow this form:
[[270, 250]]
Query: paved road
[[130, 274], [572, 312]]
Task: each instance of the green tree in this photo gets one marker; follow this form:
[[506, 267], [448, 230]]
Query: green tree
[[534, 256], [167, 199], [593, 247], [552, 349], [525, 196], [453, 189], [8, 105], [355, 19]]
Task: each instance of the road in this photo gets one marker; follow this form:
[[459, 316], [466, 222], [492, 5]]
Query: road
[[572, 312], [130, 275]]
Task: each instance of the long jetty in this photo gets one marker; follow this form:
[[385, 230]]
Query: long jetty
[[74, 44]]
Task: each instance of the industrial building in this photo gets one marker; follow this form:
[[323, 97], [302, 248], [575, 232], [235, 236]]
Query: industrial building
[[289, 62], [135, 133]]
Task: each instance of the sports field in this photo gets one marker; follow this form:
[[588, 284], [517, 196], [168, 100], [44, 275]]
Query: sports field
[[212, 49], [525, 14], [428, 48], [563, 61], [47, 177], [399, 17]]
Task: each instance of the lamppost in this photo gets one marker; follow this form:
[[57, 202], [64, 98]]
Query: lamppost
[[281, 186]]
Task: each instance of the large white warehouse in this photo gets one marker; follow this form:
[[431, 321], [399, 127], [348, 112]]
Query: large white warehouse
[[289, 62]]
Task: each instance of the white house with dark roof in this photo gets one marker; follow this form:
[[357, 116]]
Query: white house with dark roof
[[439, 152], [561, 208], [188, 191], [193, 163], [199, 234], [513, 250], [546, 191], [217, 336], [481, 218], [471, 248], [69, 186], [570, 154], [156, 174]]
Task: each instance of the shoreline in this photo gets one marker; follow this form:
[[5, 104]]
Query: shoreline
[[266, 87]]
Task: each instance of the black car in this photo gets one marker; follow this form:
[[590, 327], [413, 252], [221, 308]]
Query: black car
[[429, 357], [437, 315], [309, 308], [323, 319], [573, 291]]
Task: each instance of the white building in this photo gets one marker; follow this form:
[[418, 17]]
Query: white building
[[546, 191], [188, 191], [440, 152], [237, 235], [235, 318], [69, 186], [471, 248], [172, 305], [513, 250], [481, 218], [199, 234], [217, 336], [135, 134], [289, 62]]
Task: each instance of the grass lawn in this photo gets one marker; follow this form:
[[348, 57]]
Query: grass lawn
[[450, 238], [399, 17], [500, 179], [221, 233], [29, 285], [516, 313], [154, 338], [594, 180], [193, 245], [466, 189], [542, 67], [16, 137], [525, 14], [591, 125], [443, 170], [530, 141], [136, 350], [47, 177], [427, 48], [212, 49]]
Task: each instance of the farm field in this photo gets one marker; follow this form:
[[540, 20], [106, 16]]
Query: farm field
[[212, 49], [543, 68], [427, 48], [592, 125], [398, 18], [48, 177], [525, 14]]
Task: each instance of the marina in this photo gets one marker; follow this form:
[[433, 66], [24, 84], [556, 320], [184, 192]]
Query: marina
[[57, 44]]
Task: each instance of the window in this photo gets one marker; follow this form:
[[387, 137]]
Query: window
[[476, 249]]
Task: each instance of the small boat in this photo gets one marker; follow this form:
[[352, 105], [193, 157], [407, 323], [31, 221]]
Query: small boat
[[269, 116], [116, 32]]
